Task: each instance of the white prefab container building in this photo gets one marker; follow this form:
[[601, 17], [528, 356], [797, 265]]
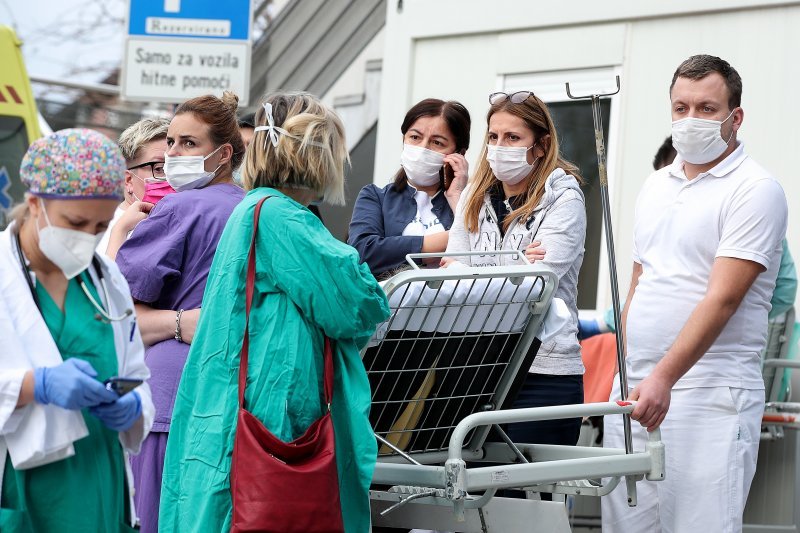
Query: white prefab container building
[[465, 49]]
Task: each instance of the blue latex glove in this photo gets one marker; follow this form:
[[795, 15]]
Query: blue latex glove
[[120, 414], [70, 385]]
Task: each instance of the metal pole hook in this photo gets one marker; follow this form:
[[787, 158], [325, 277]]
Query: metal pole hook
[[588, 96], [612, 261]]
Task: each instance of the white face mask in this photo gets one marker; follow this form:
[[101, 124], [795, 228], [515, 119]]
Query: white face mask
[[699, 141], [509, 163], [185, 172], [422, 166], [70, 250]]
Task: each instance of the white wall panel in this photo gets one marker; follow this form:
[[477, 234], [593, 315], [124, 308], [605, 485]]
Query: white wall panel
[[462, 49]]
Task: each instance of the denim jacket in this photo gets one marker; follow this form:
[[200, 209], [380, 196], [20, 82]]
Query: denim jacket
[[379, 217]]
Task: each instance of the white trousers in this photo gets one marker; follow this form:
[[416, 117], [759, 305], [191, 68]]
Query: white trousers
[[711, 439]]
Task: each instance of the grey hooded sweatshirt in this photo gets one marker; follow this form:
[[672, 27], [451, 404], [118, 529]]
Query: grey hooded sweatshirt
[[559, 222]]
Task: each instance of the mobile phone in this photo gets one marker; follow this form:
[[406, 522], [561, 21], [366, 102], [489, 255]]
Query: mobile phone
[[449, 175], [121, 385]]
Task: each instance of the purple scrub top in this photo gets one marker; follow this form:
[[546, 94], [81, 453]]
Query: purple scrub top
[[166, 261]]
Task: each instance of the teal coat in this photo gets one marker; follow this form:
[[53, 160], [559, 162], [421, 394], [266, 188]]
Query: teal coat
[[307, 284]]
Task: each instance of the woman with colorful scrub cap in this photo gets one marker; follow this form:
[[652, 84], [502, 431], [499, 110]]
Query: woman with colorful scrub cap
[[67, 325]]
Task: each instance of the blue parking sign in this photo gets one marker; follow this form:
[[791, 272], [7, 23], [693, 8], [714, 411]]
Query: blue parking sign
[[203, 19]]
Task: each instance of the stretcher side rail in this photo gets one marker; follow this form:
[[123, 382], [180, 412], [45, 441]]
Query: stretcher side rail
[[559, 467]]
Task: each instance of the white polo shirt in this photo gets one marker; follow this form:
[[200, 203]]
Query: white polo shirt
[[737, 209]]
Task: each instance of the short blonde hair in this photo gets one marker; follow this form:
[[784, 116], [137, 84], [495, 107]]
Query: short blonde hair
[[140, 133], [312, 155]]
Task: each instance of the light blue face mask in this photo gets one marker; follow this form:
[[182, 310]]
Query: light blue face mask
[[237, 176]]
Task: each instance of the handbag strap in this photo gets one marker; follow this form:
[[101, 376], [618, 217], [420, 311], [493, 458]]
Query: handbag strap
[[249, 290]]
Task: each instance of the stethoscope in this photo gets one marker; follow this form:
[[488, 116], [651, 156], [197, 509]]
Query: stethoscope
[[102, 314]]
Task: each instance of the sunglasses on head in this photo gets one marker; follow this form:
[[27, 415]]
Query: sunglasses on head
[[516, 98]]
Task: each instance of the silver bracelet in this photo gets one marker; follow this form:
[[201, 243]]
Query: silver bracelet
[[178, 326]]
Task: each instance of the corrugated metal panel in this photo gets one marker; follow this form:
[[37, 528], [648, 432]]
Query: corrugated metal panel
[[312, 42]]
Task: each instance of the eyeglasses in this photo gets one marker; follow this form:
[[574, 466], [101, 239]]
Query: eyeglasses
[[156, 169], [516, 98]]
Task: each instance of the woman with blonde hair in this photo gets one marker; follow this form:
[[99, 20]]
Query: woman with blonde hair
[[523, 192], [307, 287]]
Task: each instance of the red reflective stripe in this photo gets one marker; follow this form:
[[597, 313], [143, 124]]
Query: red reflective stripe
[[14, 94], [623, 404], [2, 97]]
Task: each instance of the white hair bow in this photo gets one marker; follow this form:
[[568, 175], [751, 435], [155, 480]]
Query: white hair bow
[[271, 129]]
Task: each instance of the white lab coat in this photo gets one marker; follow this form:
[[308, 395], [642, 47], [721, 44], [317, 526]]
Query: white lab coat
[[35, 434]]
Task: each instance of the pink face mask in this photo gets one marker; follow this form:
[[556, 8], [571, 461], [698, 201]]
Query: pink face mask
[[155, 191]]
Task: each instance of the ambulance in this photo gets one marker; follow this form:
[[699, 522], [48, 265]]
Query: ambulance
[[19, 119]]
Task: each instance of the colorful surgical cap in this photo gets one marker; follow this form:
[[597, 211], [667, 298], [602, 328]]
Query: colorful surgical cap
[[74, 163]]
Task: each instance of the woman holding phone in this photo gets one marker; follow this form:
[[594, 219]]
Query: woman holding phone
[[67, 326], [414, 213]]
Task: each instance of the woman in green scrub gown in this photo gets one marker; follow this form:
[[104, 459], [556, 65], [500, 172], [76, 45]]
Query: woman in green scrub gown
[[65, 329], [87, 489], [308, 285]]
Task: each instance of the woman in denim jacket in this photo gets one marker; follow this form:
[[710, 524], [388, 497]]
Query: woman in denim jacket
[[414, 213]]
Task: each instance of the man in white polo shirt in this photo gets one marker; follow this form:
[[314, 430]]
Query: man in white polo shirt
[[707, 247]]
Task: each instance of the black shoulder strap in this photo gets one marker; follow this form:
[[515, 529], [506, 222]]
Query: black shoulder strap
[[25, 272]]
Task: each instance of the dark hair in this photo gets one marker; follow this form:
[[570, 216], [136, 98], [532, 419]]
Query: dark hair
[[699, 66], [665, 155], [247, 121], [456, 117], [220, 115]]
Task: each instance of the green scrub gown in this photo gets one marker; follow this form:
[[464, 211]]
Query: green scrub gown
[[85, 492], [307, 283]]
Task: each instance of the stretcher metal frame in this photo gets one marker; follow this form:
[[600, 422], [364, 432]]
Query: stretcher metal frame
[[454, 489], [778, 414], [772, 503]]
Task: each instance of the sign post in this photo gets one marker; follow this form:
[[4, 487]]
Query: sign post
[[179, 49]]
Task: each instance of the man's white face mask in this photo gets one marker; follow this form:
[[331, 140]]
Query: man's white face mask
[[698, 140]]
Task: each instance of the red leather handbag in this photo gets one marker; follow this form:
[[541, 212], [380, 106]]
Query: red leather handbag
[[276, 486]]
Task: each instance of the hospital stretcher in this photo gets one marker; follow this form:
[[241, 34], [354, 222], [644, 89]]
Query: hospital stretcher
[[779, 414], [444, 368], [772, 502]]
